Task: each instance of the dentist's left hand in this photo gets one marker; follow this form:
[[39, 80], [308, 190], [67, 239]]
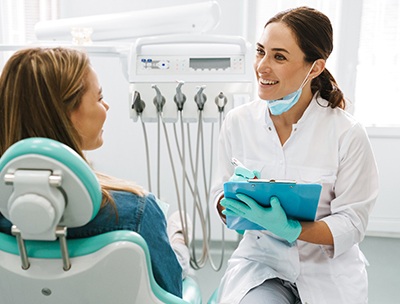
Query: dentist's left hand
[[271, 218]]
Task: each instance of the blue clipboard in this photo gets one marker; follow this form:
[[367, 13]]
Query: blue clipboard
[[300, 201]]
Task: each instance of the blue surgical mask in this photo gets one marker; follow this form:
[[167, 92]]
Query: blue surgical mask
[[279, 106]]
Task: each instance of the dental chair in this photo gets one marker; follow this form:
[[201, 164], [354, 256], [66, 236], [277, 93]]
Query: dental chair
[[46, 187]]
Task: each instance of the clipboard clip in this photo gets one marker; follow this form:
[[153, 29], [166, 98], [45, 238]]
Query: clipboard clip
[[277, 181]]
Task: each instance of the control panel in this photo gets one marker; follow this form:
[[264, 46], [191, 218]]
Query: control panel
[[162, 65]]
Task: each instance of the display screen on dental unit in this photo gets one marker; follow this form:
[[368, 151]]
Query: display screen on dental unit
[[210, 63]]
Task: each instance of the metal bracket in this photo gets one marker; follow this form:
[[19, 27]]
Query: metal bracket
[[21, 247], [61, 233]]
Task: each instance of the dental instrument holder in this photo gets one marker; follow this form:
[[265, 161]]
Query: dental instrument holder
[[138, 104], [222, 64], [200, 98], [221, 101], [159, 100], [179, 97]]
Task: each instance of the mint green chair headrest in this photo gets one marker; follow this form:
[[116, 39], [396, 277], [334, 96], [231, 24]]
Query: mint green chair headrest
[[79, 183]]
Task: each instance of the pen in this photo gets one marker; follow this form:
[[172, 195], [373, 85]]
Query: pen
[[236, 163]]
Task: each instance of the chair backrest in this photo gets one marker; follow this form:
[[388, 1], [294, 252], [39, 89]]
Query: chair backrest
[[45, 187]]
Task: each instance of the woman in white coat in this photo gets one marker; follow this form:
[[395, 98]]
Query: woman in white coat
[[298, 130]]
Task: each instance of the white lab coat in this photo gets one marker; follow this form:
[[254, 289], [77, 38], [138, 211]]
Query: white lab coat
[[326, 146]]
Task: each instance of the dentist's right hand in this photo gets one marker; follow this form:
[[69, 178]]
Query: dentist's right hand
[[244, 174], [241, 173]]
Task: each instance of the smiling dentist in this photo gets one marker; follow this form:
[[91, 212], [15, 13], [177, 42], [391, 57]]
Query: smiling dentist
[[298, 130]]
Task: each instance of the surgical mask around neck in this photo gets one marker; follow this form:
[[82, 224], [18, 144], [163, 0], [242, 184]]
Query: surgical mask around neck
[[279, 106]]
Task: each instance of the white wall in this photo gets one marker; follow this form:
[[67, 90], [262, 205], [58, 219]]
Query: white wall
[[385, 218]]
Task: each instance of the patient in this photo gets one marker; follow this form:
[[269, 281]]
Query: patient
[[55, 93]]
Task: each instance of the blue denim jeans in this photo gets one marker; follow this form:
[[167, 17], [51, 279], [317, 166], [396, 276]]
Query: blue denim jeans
[[142, 215]]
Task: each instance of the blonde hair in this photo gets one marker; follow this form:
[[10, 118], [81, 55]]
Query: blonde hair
[[39, 88]]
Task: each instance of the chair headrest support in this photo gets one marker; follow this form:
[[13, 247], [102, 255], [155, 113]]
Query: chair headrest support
[[43, 184]]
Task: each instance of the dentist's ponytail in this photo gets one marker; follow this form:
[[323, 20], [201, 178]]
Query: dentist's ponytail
[[328, 89]]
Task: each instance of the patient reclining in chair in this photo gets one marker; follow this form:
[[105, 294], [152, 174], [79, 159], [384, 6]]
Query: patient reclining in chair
[[54, 93]]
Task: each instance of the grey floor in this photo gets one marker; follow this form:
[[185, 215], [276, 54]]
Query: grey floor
[[383, 255]]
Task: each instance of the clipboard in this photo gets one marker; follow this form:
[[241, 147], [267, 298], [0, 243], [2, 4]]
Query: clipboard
[[300, 201]]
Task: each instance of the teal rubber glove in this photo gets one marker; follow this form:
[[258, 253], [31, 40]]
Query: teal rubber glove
[[243, 174], [271, 218]]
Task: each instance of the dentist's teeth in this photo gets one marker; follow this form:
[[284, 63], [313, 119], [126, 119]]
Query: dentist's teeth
[[264, 81]]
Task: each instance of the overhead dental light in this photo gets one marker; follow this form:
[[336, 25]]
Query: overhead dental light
[[190, 18]]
